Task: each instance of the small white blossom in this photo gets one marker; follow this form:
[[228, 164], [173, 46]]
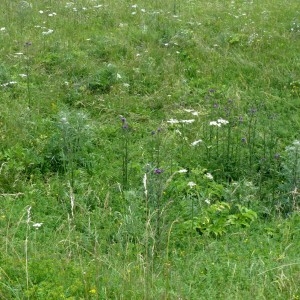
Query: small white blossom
[[2, 29], [214, 123], [209, 176], [47, 32], [37, 225], [207, 201], [187, 121], [222, 121], [41, 12], [182, 171], [191, 184], [195, 143], [173, 121], [23, 75]]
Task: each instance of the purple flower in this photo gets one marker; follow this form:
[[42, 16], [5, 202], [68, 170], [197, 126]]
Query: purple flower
[[244, 140], [277, 156], [158, 171]]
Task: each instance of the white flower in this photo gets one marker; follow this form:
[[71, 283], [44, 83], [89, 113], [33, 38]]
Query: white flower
[[214, 123], [192, 111], [2, 29], [47, 32], [182, 171], [209, 176], [207, 201], [187, 121], [119, 76], [37, 225], [191, 184], [195, 143], [23, 75], [222, 121], [173, 121], [219, 122], [41, 12]]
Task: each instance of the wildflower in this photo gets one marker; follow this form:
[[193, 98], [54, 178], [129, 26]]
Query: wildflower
[[277, 156], [2, 29], [195, 143], [123, 119], [209, 176], [214, 123], [49, 31], [93, 291], [222, 121], [244, 140], [173, 121], [158, 171], [207, 201], [187, 121], [182, 171], [37, 225], [191, 184], [8, 83], [23, 75], [192, 111]]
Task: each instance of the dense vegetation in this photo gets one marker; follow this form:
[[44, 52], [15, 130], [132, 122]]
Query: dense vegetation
[[149, 149]]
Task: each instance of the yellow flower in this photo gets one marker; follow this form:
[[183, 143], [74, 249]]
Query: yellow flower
[[93, 291]]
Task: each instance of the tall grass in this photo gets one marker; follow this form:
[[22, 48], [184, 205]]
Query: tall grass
[[193, 194]]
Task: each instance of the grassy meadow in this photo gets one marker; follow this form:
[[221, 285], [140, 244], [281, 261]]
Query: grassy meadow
[[150, 149]]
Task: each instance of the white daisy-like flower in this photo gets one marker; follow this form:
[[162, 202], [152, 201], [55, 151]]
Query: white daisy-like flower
[[182, 171], [195, 143]]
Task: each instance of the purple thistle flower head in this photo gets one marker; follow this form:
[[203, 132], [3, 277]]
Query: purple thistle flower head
[[125, 126], [158, 171], [244, 140], [277, 156]]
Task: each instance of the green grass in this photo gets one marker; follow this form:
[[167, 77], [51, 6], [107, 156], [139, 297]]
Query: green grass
[[158, 145]]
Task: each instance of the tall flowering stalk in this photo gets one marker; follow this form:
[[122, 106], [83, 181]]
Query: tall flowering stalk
[[125, 138]]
